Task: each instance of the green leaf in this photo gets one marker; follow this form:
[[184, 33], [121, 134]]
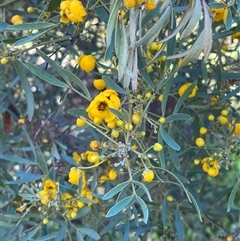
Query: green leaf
[[174, 157], [144, 209], [177, 117], [77, 112], [169, 140], [45, 76], [118, 207], [26, 86], [153, 32], [90, 232], [228, 23], [61, 232], [161, 154], [79, 236], [184, 97], [113, 85], [29, 141], [7, 224], [29, 26], [115, 190], [178, 224], [112, 21], [165, 95], [196, 15], [232, 197], [141, 185], [164, 208], [17, 159], [118, 114], [53, 5], [47, 237], [41, 162], [29, 38], [30, 234]]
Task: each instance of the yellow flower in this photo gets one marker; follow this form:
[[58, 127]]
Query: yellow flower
[[150, 4], [80, 122], [220, 14], [236, 129], [148, 175], [129, 3], [157, 147], [223, 120], [203, 130], [4, 61], [136, 118], [76, 157], [74, 176], [49, 192], [210, 167], [99, 107], [99, 84], [72, 10], [211, 117], [94, 145], [154, 46], [92, 157], [170, 198], [86, 62], [184, 88], [16, 19], [236, 35], [103, 178]]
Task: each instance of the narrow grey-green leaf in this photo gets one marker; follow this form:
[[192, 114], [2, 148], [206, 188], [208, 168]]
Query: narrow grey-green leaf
[[178, 224], [163, 212], [26, 86], [47, 237], [169, 140], [118, 114], [181, 25], [118, 207], [174, 157], [153, 32], [123, 51], [17, 159], [115, 190], [44, 75], [113, 85], [144, 189], [112, 21], [29, 26], [77, 112], [61, 232], [232, 197], [144, 209], [177, 117], [30, 234], [90, 232], [41, 162], [208, 39], [196, 15], [194, 52]]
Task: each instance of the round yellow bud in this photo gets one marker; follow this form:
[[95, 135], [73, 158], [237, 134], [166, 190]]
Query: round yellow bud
[[99, 84], [139, 97], [94, 145], [211, 117], [4, 61], [150, 5], [136, 118], [128, 127], [148, 95], [200, 142], [184, 88], [119, 123], [73, 214], [170, 198], [162, 119], [97, 121], [115, 134], [16, 19], [86, 62], [30, 10], [80, 122], [203, 130], [148, 175], [160, 97], [45, 221], [112, 174], [224, 112], [196, 162], [111, 124], [157, 147], [223, 120]]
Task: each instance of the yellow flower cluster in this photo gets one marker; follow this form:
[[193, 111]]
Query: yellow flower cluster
[[98, 110], [72, 10], [220, 14], [75, 174], [210, 166], [49, 192], [149, 4], [184, 88]]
